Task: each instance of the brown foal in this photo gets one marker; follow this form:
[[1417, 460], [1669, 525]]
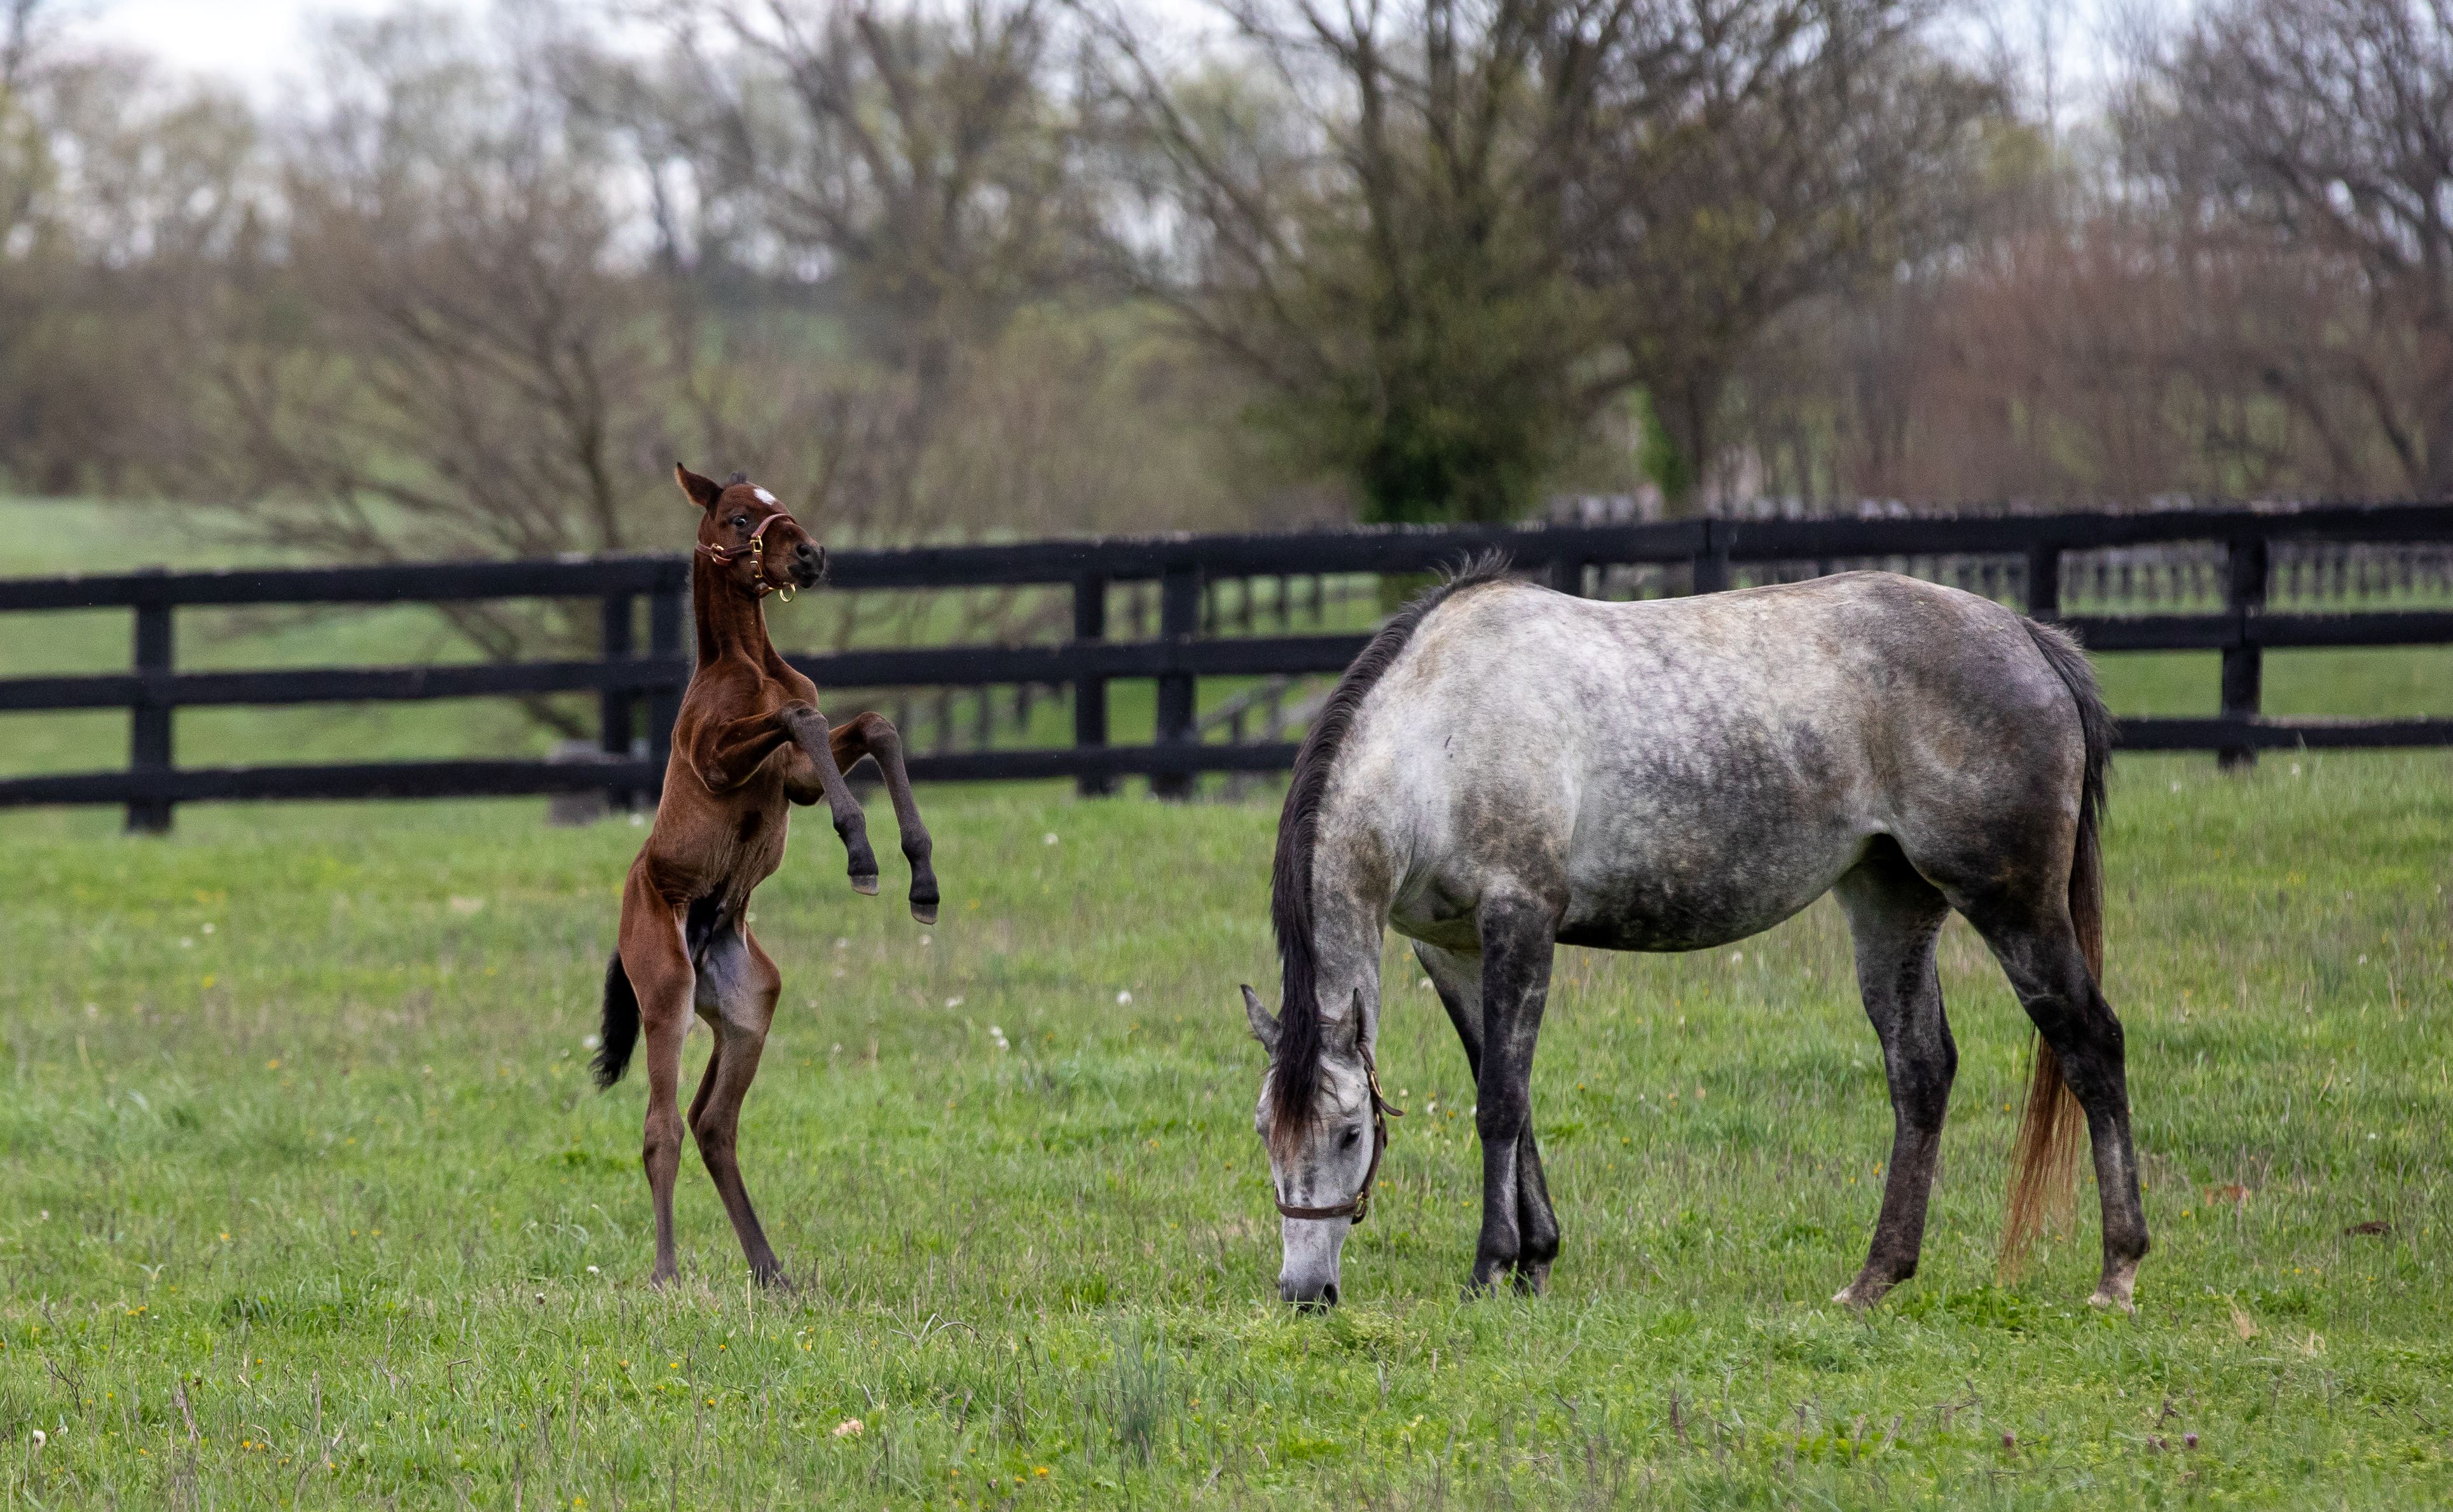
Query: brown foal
[[749, 741]]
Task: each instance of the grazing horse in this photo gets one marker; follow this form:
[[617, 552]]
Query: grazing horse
[[1506, 767], [749, 741]]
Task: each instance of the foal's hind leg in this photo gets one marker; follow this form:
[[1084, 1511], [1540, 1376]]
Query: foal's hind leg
[[1458, 978], [2039, 952], [1893, 915], [660, 972], [737, 987]]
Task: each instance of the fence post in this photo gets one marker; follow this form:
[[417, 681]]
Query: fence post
[[148, 723], [2045, 581], [1712, 558], [1567, 576], [2243, 665], [1091, 693], [617, 708], [664, 604], [1179, 620]]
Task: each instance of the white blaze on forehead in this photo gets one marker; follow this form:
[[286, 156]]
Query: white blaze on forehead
[[764, 497]]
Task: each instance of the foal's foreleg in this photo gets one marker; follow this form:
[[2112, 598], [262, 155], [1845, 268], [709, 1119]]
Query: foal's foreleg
[[809, 731], [1517, 938], [1457, 979], [1893, 915], [874, 735]]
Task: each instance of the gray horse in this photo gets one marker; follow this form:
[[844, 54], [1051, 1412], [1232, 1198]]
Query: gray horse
[[1504, 768]]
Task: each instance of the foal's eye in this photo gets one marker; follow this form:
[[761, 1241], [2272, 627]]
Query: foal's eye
[[740, 519]]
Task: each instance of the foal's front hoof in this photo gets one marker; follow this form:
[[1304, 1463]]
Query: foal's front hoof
[[923, 912], [864, 885]]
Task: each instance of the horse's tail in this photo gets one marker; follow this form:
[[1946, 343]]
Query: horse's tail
[[618, 1032], [2052, 1130]]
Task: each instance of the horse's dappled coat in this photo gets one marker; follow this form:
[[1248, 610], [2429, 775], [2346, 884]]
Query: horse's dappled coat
[[1507, 768]]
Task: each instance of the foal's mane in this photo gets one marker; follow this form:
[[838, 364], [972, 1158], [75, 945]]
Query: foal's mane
[[1294, 1066]]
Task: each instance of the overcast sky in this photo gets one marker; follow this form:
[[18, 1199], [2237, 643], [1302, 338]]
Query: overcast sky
[[258, 42]]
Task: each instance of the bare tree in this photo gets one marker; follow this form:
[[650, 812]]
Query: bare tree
[[445, 354], [1447, 236], [2316, 137], [920, 171]]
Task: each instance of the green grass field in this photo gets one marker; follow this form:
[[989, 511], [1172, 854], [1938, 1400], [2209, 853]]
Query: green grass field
[[307, 1198]]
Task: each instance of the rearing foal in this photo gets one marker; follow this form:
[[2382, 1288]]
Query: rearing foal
[[750, 740]]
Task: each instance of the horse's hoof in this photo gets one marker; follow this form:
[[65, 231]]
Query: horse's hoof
[[865, 886], [1863, 1293], [774, 1281], [924, 912], [1533, 1280], [662, 1279], [2117, 1288]]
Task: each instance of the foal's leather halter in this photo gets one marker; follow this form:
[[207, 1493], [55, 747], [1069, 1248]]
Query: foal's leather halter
[[1360, 1203], [724, 556]]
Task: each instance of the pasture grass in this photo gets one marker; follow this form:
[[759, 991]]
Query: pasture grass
[[306, 1198]]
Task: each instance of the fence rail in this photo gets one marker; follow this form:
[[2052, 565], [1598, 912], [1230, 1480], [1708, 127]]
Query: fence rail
[[2187, 555]]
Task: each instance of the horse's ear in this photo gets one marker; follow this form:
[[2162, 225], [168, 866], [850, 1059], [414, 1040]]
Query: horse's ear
[[1264, 1027], [1354, 1022], [702, 491]]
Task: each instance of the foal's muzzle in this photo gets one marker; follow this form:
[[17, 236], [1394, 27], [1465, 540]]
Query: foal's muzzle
[[809, 564]]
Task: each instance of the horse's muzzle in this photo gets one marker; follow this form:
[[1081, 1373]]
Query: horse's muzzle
[[809, 564], [1307, 1296]]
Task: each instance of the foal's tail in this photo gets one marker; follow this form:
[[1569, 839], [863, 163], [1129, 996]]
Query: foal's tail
[[618, 1032], [2052, 1130]]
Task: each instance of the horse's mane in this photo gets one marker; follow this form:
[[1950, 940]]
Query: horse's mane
[[1294, 1066]]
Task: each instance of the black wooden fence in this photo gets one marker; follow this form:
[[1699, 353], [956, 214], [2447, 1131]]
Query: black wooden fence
[[2019, 558]]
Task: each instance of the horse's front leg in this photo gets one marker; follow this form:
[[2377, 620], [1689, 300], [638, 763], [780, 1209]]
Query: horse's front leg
[[1518, 938], [808, 730], [1457, 977], [874, 735]]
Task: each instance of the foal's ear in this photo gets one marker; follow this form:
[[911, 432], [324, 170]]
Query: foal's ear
[[702, 491], [1264, 1027]]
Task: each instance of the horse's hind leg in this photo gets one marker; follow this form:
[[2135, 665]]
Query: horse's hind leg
[[737, 989], [660, 972], [1519, 936], [1457, 979], [2038, 950], [1893, 917]]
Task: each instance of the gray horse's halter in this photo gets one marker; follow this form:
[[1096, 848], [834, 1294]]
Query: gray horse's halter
[[1359, 1205]]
